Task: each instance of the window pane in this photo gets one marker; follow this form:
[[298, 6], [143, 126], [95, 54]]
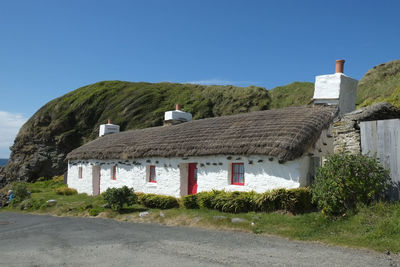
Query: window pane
[[241, 180], [238, 173], [152, 175]]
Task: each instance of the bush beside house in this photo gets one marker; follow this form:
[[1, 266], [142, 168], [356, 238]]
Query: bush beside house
[[116, 198], [346, 181], [296, 201]]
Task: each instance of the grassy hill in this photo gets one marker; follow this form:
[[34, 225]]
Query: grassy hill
[[381, 83], [294, 94], [74, 119]]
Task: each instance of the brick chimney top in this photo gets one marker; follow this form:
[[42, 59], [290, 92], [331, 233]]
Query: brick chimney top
[[178, 107]]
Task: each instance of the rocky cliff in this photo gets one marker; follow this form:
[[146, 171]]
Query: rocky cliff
[[74, 119]]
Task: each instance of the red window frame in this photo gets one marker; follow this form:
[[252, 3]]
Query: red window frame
[[114, 172], [237, 174], [80, 171], [152, 174]]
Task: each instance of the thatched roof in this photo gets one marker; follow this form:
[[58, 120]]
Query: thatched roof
[[283, 133], [379, 111]]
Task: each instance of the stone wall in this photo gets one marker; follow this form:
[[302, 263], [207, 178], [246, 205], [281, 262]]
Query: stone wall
[[346, 136], [346, 129]]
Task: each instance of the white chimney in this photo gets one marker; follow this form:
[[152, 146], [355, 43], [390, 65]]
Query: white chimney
[[108, 128], [336, 89], [176, 116]]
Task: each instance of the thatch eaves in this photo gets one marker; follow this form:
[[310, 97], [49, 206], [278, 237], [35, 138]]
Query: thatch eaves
[[379, 111], [283, 133]]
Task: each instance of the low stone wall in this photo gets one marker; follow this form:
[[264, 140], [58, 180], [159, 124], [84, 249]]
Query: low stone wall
[[346, 136], [346, 130]]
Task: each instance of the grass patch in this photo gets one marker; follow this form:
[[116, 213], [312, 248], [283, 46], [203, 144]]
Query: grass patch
[[375, 227]]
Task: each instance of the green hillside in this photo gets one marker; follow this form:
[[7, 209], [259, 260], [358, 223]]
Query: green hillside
[[379, 84], [294, 94], [74, 119]]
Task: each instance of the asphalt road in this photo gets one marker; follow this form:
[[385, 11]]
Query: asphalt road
[[33, 240]]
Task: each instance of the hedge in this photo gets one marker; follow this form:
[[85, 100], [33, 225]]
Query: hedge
[[296, 201], [154, 201]]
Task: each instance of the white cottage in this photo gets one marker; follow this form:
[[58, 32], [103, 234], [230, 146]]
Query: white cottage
[[256, 151]]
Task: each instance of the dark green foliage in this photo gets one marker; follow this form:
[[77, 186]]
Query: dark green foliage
[[296, 200], [190, 202], [116, 198], [154, 201], [236, 202], [302, 199], [37, 203], [20, 191], [95, 211], [207, 199], [26, 204], [267, 202], [348, 180]]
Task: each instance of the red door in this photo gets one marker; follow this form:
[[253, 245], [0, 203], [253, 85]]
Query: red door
[[192, 179]]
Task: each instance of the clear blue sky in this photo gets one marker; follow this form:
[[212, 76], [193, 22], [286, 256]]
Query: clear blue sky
[[48, 48]]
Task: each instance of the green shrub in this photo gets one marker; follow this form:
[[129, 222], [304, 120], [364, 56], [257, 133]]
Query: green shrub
[[37, 203], [297, 200], [236, 202], [116, 198], [207, 199], [302, 198], [266, 202], [20, 192], [95, 211], [348, 180], [154, 201], [26, 204], [190, 202], [65, 191], [277, 199]]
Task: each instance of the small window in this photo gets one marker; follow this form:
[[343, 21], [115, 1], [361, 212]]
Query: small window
[[237, 173], [114, 172], [80, 172], [152, 174]]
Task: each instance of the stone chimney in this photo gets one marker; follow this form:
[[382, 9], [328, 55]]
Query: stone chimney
[[176, 116], [108, 128], [336, 89]]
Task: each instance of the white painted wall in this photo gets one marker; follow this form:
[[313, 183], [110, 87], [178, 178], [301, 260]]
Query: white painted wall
[[108, 129], [336, 89], [177, 115], [262, 173]]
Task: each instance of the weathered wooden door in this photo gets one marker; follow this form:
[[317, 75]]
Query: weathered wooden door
[[96, 180], [192, 179], [381, 139]]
